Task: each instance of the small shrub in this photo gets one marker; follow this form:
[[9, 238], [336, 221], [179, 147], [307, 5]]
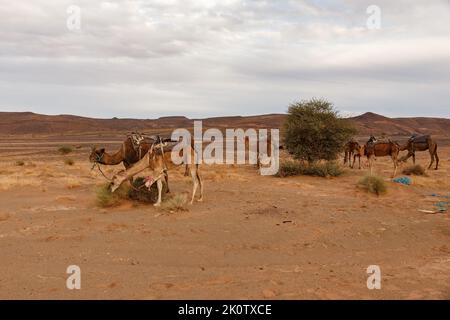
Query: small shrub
[[65, 149], [325, 169], [290, 168], [20, 163], [107, 199], [373, 184], [416, 170], [176, 203], [141, 193], [69, 162], [319, 169]]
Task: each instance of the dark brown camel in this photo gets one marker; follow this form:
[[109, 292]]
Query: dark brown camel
[[352, 149], [374, 148], [421, 143]]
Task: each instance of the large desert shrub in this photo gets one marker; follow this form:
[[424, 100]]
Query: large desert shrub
[[373, 184], [314, 131]]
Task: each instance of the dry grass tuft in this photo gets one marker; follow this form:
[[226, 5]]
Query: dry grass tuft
[[373, 184], [107, 199], [20, 163], [318, 169], [177, 203], [416, 170], [65, 149]]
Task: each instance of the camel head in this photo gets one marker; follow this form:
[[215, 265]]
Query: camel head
[[372, 139], [96, 154], [117, 181]]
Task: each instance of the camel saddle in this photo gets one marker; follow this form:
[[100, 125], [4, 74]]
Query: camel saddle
[[416, 138]]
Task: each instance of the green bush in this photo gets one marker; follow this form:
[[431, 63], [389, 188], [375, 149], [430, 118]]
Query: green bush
[[65, 149], [373, 184], [319, 169], [107, 199], [313, 131], [416, 170]]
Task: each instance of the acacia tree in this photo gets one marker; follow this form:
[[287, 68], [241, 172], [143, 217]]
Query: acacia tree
[[314, 131]]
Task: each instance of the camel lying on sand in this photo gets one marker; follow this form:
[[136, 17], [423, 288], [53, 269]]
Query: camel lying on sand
[[159, 161], [421, 143], [374, 148]]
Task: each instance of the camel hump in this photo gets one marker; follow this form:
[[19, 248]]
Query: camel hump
[[416, 138]]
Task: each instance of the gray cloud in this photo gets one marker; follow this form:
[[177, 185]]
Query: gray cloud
[[209, 57]]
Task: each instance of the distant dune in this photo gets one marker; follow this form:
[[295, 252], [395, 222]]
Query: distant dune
[[16, 123]]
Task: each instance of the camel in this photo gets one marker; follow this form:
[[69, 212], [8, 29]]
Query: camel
[[421, 143], [374, 148], [129, 154], [156, 160], [352, 148]]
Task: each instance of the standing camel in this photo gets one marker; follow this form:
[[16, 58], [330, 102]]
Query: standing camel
[[352, 149], [159, 162], [374, 148], [421, 143]]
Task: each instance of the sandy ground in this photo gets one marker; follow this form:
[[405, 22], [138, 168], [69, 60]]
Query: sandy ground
[[253, 237]]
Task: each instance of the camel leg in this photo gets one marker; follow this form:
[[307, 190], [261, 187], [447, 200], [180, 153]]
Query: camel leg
[[414, 157], [195, 184], [159, 185], [432, 158], [200, 181], [359, 162], [166, 178], [186, 170], [394, 159], [436, 157]]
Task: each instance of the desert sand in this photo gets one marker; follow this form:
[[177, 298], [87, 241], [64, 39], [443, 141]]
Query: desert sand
[[253, 237]]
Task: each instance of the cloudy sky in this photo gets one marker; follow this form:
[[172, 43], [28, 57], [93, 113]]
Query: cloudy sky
[[198, 58]]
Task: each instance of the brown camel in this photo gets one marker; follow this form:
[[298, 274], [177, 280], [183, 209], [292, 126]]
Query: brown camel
[[352, 148], [159, 162], [128, 154], [421, 143], [374, 148]]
